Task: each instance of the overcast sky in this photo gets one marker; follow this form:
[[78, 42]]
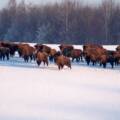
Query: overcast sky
[[4, 2], [93, 2]]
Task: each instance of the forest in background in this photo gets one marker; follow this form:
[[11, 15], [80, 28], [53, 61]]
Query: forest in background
[[68, 22]]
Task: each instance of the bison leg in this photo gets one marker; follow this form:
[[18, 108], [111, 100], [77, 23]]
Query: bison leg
[[47, 62], [112, 64], [0, 56], [26, 58], [116, 61], [31, 57], [59, 67], [38, 63], [88, 61], [62, 66], [93, 63], [51, 58], [104, 65], [7, 55], [3, 57], [69, 65], [72, 59], [77, 59], [81, 58]]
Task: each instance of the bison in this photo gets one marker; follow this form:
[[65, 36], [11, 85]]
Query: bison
[[107, 58], [43, 48], [21, 46], [13, 47], [118, 48], [76, 54], [61, 61], [52, 53], [87, 46], [26, 51], [4, 53], [117, 57], [42, 57], [66, 49], [93, 54]]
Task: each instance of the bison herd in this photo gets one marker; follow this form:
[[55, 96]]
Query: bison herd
[[91, 53]]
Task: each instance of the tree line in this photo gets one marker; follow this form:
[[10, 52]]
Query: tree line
[[67, 22]]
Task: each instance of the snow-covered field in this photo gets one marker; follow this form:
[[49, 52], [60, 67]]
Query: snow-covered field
[[82, 93]]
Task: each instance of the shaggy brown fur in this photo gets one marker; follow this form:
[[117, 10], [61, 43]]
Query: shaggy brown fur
[[76, 54], [52, 54], [42, 57], [43, 48], [61, 61], [12, 46], [26, 51], [4, 53], [118, 48]]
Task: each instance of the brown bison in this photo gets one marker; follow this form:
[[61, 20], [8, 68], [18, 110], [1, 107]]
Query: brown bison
[[4, 53], [61, 61], [52, 54], [76, 54], [118, 48], [13, 47], [26, 51], [42, 57], [88, 46], [107, 58], [103, 60], [66, 49], [93, 54], [21, 46], [99, 55], [117, 57], [43, 48]]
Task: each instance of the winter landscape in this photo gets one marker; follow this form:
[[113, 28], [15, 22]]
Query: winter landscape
[[59, 59], [29, 92]]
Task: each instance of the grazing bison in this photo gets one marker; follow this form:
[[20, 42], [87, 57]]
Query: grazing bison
[[61, 61], [42, 57], [4, 53], [76, 54]]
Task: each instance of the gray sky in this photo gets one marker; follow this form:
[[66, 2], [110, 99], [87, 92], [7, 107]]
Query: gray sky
[[93, 2], [4, 2]]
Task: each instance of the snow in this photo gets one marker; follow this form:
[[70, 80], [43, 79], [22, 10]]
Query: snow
[[82, 93]]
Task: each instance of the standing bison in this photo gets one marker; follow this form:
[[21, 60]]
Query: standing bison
[[76, 54], [13, 47], [43, 48], [4, 53], [66, 49], [62, 61], [52, 54], [42, 57], [26, 51]]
